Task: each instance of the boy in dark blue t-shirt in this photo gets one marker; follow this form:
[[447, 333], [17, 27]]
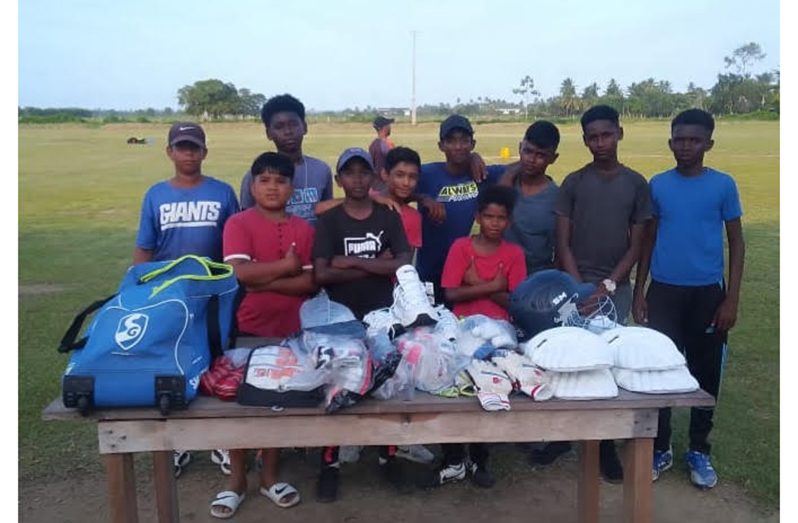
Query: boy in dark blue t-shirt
[[688, 298], [453, 185]]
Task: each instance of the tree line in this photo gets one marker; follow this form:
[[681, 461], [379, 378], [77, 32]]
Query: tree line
[[736, 91]]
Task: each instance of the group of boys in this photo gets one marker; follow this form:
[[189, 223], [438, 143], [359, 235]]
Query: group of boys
[[290, 239]]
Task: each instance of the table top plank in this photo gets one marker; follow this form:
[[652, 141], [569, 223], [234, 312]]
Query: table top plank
[[206, 407]]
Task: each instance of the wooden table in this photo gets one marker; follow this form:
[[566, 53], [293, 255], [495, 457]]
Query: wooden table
[[211, 424]]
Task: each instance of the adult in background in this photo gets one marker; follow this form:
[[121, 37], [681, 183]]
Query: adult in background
[[379, 149]]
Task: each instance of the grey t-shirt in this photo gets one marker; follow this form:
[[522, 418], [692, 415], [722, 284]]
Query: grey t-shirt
[[532, 227], [602, 209], [312, 184]]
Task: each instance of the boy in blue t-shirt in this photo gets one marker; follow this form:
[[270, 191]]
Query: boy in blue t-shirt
[[688, 299], [185, 214], [453, 185]]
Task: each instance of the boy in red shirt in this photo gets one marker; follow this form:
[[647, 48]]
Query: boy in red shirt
[[482, 270], [268, 249], [478, 276]]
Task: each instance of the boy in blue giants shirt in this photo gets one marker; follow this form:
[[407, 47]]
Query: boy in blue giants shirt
[[688, 298], [185, 214]]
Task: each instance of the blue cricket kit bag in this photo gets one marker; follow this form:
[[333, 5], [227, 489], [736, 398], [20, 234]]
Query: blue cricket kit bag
[[151, 341]]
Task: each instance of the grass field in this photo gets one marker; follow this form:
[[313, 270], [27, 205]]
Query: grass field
[[80, 189]]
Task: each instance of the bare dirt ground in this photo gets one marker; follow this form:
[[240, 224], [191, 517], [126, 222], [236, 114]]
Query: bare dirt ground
[[522, 493]]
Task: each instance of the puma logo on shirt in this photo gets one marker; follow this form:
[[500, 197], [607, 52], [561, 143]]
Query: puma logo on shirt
[[364, 247]]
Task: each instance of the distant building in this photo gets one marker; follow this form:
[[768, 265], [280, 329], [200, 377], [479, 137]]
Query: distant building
[[508, 110], [393, 111]]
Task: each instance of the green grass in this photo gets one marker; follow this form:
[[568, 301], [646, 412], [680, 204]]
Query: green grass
[[80, 189]]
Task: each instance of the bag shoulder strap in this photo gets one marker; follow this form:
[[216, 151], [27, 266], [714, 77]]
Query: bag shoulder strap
[[213, 271], [68, 342]]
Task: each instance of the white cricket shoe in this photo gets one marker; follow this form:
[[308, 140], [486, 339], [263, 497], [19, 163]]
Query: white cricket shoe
[[410, 304]]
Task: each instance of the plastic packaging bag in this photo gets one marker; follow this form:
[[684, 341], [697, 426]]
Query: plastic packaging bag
[[348, 362], [479, 336], [434, 358], [401, 385], [321, 311]]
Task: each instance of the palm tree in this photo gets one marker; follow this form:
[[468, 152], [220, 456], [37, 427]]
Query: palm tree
[[569, 101]]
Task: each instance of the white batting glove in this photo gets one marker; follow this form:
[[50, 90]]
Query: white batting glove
[[493, 385], [528, 378]]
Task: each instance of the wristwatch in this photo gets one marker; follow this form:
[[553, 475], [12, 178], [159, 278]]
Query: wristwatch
[[609, 285]]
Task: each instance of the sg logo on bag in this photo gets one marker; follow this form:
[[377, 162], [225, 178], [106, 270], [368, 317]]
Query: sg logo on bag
[[130, 330]]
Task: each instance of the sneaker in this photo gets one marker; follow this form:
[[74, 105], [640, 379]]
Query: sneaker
[[663, 460], [181, 459], [548, 454], [417, 453], [221, 457], [448, 325], [481, 476], [410, 304], [701, 472], [609, 464], [445, 474], [382, 320], [327, 488], [392, 471]]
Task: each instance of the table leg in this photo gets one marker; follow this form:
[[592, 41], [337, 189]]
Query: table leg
[[121, 488], [589, 481], [163, 472], [637, 482]]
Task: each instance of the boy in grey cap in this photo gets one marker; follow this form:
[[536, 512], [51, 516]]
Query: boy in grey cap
[[358, 248]]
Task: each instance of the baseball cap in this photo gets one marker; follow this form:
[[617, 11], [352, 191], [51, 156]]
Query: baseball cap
[[354, 152], [381, 121], [186, 132], [453, 122]]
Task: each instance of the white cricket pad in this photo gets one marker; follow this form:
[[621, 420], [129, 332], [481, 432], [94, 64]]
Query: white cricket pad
[[656, 381], [641, 348], [568, 349], [583, 385]]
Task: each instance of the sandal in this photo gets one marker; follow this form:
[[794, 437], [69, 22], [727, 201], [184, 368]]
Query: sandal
[[222, 458], [229, 500], [181, 459], [282, 494]]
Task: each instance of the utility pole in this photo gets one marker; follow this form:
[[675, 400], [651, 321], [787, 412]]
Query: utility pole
[[413, 98]]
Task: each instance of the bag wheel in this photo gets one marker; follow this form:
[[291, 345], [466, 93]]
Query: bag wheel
[[164, 404], [83, 405]]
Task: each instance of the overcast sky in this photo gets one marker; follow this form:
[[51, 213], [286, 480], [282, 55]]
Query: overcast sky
[[337, 54]]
